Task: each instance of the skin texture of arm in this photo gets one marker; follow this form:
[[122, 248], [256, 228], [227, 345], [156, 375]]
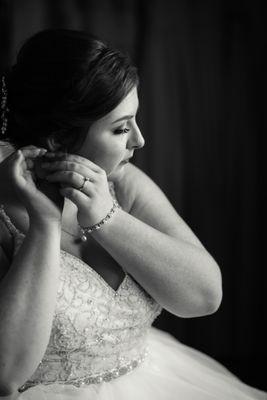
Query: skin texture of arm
[[159, 250], [27, 301]]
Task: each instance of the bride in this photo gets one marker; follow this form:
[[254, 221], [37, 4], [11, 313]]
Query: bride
[[91, 248]]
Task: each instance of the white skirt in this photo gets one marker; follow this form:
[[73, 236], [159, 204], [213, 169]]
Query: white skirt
[[171, 371]]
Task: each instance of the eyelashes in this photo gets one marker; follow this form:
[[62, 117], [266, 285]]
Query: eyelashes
[[121, 131]]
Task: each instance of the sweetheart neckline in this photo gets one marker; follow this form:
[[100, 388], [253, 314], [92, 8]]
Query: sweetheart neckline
[[100, 277], [82, 262]]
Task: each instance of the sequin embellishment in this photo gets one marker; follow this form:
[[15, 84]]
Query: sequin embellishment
[[98, 334], [89, 380]]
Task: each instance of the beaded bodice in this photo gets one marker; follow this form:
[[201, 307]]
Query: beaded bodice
[[97, 333]]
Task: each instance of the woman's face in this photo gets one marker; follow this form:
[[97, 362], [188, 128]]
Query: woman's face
[[112, 139]]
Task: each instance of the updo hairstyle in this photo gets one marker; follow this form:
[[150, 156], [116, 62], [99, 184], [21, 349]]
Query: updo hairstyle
[[62, 82]]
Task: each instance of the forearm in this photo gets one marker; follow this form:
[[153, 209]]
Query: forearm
[[27, 302], [180, 276]]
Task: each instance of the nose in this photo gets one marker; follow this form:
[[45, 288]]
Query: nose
[[136, 140]]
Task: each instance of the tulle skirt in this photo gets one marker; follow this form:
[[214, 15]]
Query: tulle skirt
[[171, 371]]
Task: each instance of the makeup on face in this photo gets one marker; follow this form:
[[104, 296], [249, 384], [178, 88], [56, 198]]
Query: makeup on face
[[111, 145]]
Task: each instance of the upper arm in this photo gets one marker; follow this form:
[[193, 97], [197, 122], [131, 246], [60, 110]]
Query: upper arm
[[151, 205]]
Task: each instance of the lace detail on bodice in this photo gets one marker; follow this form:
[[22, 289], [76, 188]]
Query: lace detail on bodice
[[98, 333]]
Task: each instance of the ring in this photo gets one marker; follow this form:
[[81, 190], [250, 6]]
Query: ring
[[85, 179]]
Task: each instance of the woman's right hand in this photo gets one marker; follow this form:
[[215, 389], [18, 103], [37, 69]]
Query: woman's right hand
[[41, 198]]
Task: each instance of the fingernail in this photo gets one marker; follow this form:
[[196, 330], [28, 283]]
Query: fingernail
[[42, 151]]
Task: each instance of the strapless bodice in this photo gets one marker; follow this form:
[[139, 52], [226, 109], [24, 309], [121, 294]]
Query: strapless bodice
[[98, 333]]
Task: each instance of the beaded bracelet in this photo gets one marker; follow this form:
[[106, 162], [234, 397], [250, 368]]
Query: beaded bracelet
[[89, 229]]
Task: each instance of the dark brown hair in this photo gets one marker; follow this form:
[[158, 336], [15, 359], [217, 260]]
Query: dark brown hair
[[63, 81]]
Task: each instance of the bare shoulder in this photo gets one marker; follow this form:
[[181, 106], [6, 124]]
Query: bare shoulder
[[145, 200]]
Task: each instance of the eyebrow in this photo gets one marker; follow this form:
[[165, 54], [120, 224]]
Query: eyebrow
[[126, 116], [122, 118]]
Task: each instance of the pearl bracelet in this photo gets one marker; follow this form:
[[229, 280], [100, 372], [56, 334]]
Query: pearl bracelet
[[89, 229]]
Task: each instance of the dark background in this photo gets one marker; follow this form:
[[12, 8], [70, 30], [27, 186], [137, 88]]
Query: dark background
[[202, 103]]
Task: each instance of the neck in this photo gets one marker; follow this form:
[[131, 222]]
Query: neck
[[69, 215]]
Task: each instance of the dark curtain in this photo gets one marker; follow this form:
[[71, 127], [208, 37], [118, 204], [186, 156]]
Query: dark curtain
[[202, 114]]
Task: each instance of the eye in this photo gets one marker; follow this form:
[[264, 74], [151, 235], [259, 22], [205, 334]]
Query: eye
[[121, 131]]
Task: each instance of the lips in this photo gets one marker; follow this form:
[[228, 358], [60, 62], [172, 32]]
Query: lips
[[127, 159]]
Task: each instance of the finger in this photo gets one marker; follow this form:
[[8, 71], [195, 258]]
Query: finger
[[20, 168], [27, 162], [76, 196], [18, 164], [69, 166], [18, 159], [73, 179], [32, 152], [74, 158]]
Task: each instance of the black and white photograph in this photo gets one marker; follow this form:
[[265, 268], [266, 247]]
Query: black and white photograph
[[132, 217]]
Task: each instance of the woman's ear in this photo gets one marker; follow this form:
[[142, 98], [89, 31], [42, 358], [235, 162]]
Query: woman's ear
[[53, 143]]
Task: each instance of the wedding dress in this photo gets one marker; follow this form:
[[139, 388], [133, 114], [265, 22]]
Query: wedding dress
[[102, 346]]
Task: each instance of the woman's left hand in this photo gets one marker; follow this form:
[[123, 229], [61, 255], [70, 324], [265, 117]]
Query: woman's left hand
[[81, 181]]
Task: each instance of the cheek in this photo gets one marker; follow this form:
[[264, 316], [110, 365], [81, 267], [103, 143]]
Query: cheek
[[116, 152], [115, 148], [105, 150], [107, 157]]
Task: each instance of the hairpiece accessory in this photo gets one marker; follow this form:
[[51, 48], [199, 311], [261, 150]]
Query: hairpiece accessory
[[4, 109], [85, 230], [84, 182]]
